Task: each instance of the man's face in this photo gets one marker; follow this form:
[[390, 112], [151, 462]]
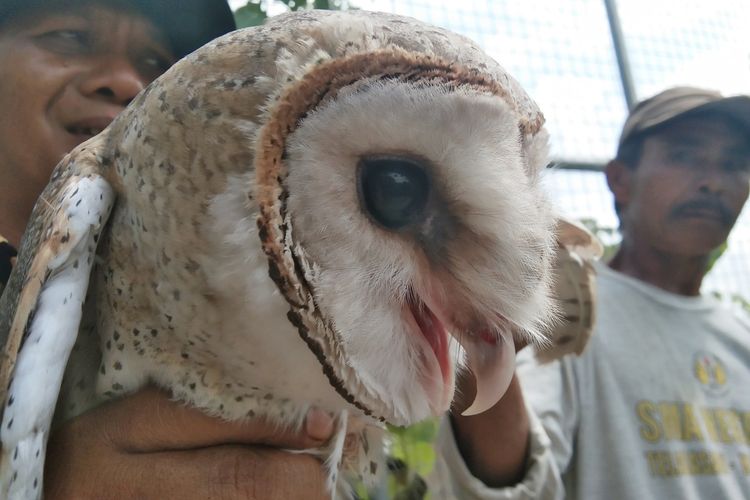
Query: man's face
[[64, 75], [689, 187]]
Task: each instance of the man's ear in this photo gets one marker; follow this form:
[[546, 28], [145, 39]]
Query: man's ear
[[619, 180]]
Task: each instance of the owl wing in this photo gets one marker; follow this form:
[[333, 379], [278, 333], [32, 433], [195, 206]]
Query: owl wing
[[574, 289], [40, 312]]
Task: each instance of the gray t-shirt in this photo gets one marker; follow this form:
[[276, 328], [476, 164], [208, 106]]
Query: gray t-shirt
[[658, 406]]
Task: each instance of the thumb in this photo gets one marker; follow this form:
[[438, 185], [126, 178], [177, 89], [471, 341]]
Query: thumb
[[150, 421]]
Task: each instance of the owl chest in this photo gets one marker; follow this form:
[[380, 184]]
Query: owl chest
[[157, 320], [167, 308]]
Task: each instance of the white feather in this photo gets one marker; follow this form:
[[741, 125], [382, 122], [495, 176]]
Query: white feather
[[51, 335]]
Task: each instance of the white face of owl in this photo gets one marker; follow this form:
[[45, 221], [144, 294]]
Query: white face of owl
[[420, 208]]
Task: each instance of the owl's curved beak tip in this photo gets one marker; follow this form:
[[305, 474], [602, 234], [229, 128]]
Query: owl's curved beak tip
[[492, 363]]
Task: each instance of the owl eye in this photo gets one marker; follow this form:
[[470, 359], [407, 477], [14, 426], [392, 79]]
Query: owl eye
[[394, 191]]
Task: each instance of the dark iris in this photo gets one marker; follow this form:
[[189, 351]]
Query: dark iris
[[394, 191]]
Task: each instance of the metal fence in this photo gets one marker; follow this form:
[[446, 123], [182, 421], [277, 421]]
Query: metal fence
[[563, 54]]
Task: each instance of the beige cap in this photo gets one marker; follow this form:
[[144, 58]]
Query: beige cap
[[677, 101]]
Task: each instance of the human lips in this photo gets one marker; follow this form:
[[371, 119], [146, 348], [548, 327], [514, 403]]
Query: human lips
[[710, 209], [87, 128]]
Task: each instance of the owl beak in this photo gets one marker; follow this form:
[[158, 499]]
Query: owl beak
[[492, 360], [490, 357]]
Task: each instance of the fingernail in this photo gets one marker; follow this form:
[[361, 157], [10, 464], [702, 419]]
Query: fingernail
[[318, 425]]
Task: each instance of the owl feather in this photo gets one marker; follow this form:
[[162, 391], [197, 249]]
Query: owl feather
[[333, 210]]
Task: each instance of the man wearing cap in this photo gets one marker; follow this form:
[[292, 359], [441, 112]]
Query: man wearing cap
[[658, 405], [67, 68]]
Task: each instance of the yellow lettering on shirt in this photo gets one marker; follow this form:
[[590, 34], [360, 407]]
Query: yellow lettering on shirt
[[735, 426], [746, 425], [650, 430], [710, 423], [728, 425], [692, 428], [670, 421], [686, 463]]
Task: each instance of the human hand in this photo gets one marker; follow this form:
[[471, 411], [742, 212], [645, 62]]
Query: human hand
[[494, 444], [147, 446], [499, 461]]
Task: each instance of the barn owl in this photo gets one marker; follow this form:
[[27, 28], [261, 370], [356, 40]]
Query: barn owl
[[333, 210]]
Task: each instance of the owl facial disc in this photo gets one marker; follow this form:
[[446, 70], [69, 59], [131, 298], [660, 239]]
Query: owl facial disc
[[411, 217]]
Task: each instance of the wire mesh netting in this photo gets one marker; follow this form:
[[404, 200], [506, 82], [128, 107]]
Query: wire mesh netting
[[561, 52], [563, 55]]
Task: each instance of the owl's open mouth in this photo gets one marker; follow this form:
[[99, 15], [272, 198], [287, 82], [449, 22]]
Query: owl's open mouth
[[439, 370], [490, 357]]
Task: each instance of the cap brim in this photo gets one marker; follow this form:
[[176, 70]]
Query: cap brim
[[190, 24], [737, 107]]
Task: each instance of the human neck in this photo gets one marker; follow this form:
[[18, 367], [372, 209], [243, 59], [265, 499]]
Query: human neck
[[678, 274]]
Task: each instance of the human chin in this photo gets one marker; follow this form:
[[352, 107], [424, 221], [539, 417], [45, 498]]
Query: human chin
[[60, 142], [698, 241], [52, 151], [72, 139]]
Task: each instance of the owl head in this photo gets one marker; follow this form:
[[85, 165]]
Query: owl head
[[397, 192], [400, 209]]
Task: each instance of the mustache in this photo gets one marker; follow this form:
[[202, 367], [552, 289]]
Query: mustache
[[706, 204]]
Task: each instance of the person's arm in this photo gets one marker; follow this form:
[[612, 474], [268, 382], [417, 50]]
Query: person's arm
[[520, 448], [494, 444], [505, 477], [147, 446]]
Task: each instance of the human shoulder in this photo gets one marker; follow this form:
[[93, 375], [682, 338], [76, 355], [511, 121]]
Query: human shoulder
[[734, 316], [618, 290]]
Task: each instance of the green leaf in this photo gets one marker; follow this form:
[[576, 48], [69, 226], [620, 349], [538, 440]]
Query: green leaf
[[715, 254], [250, 15], [415, 445], [297, 4]]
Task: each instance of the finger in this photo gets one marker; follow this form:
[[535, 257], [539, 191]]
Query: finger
[[234, 472], [225, 472], [150, 421]]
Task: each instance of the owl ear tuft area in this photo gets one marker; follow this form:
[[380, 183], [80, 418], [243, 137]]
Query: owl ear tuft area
[[535, 149]]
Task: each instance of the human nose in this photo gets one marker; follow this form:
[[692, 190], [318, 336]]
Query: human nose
[[114, 80], [713, 180]]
